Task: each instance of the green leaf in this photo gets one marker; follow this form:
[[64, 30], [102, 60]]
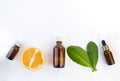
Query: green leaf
[[79, 55], [92, 51]]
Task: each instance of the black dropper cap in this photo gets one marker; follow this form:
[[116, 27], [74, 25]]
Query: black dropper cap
[[103, 42]]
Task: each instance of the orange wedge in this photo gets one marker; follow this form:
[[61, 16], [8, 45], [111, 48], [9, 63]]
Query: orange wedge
[[33, 58]]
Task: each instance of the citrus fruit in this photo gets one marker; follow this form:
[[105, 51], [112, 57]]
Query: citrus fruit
[[33, 58]]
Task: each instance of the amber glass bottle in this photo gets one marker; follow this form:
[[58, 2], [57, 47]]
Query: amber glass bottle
[[13, 51], [108, 54], [59, 55]]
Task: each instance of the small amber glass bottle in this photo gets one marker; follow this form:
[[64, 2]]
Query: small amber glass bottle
[[13, 51], [108, 54], [59, 55]]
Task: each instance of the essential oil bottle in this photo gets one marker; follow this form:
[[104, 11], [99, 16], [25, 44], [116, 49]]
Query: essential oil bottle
[[13, 51], [108, 54], [59, 55]]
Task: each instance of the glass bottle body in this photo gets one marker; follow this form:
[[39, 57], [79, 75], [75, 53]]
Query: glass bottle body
[[59, 55], [13, 52], [109, 57]]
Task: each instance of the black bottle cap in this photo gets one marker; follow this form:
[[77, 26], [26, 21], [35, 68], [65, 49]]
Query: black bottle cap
[[103, 42]]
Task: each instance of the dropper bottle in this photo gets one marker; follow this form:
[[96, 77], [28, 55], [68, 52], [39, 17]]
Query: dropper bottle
[[13, 51], [108, 54]]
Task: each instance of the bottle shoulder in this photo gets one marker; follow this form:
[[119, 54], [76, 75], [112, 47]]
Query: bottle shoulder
[[15, 47], [59, 46]]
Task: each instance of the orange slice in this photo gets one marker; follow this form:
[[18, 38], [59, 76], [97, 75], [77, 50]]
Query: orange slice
[[33, 58]]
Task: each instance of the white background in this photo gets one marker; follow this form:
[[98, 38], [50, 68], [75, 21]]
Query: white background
[[38, 22]]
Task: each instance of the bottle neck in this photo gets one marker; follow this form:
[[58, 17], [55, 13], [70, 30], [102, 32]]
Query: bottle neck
[[59, 42], [16, 46]]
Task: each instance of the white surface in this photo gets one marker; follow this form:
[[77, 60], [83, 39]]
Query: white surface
[[38, 22]]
